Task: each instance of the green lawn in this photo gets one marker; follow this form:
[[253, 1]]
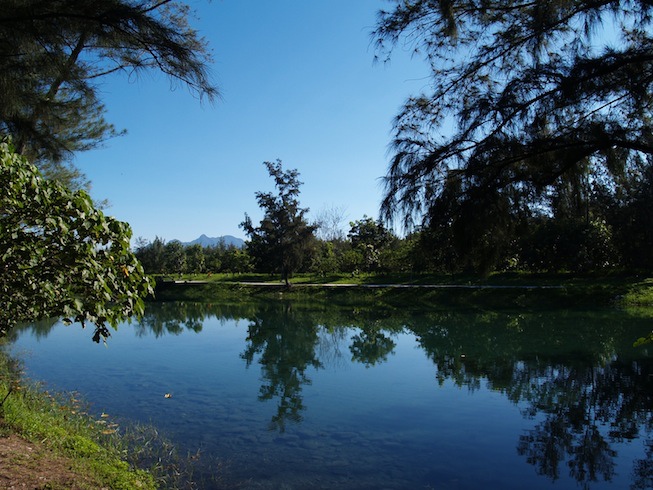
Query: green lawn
[[562, 289]]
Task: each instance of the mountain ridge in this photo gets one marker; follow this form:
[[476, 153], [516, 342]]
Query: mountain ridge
[[207, 241]]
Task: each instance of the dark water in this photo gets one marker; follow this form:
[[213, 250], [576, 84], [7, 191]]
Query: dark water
[[291, 396]]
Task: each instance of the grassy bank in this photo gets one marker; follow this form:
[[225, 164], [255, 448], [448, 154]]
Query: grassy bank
[[499, 290], [53, 435]]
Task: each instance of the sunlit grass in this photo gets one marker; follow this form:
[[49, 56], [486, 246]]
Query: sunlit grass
[[504, 290], [601, 289], [104, 451], [63, 425], [640, 293]]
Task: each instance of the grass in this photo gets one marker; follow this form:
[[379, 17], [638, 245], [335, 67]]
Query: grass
[[107, 455], [93, 445], [512, 289], [639, 293]]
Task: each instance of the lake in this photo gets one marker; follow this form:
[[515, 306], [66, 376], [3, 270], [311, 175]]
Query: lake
[[282, 395]]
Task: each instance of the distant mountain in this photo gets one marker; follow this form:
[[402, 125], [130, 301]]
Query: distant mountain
[[206, 241]]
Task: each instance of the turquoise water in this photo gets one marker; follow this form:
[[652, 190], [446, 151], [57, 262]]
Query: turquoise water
[[294, 396]]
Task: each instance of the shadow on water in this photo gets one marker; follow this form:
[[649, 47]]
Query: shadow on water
[[573, 374]]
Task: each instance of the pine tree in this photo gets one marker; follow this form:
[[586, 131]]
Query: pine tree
[[54, 52], [282, 240], [527, 98], [524, 95]]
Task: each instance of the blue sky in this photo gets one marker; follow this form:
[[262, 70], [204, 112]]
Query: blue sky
[[298, 83]]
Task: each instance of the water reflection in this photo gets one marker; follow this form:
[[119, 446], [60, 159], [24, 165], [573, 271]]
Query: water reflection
[[574, 374], [586, 409], [284, 342]]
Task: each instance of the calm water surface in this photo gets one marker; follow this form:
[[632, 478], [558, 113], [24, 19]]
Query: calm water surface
[[289, 396]]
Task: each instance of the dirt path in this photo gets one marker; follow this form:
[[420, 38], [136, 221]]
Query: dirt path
[[391, 286], [26, 465]]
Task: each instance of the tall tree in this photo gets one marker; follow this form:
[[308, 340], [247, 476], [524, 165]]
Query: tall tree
[[281, 241], [526, 97], [60, 256], [54, 52]]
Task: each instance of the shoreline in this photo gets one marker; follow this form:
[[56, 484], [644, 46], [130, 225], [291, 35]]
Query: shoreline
[[505, 291], [364, 285]]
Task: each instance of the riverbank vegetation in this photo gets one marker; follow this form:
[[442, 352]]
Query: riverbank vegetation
[[546, 247], [56, 440], [496, 290], [77, 450]]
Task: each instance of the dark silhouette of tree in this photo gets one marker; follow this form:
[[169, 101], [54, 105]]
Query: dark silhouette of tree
[[54, 53], [281, 242], [544, 98]]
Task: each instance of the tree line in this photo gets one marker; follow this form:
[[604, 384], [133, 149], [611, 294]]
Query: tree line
[[368, 247], [173, 257], [600, 229]]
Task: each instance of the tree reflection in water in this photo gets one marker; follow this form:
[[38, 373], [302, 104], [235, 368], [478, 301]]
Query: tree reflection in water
[[586, 409], [575, 374], [577, 377], [581, 382], [371, 346], [285, 343]]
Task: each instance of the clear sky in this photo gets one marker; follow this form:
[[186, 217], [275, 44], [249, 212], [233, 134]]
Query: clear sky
[[298, 83]]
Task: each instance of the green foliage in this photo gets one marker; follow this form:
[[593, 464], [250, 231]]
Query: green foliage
[[571, 245], [631, 219], [174, 258], [369, 238], [325, 260], [639, 294], [151, 255], [159, 257], [536, 111], [282, 241], [195, 259], [644, 340], [60, 256], [53, 53], [367, 231]]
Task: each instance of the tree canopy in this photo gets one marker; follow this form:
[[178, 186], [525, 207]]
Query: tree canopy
[[280, 242], [531, 104], [60, 256], [53, 54]]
